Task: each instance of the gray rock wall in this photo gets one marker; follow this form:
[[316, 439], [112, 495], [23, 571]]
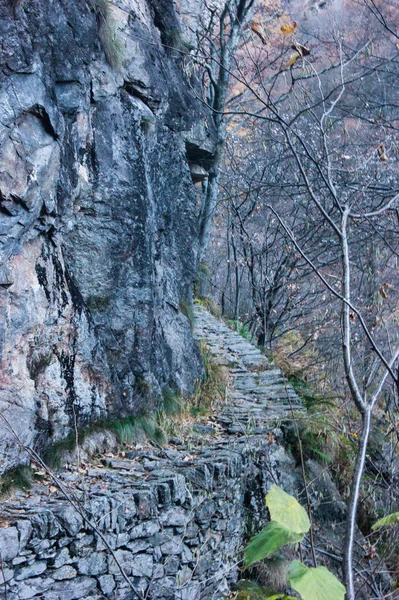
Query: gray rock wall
[[175, 520], [98, 228]]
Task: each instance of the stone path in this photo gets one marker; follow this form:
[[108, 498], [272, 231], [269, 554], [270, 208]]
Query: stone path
[[259, 393], [175, 518]]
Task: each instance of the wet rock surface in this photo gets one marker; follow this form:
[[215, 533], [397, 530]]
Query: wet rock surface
[[98, 211]]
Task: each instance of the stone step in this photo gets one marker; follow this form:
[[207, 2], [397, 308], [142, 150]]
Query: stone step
[[259, 391]]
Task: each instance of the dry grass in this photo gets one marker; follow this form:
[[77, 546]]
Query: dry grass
[[179, 415]]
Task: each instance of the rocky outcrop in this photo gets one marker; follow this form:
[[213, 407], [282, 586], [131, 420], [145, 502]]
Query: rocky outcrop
[[98, 212]]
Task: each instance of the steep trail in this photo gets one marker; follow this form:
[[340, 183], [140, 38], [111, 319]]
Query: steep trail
[[259, 392], [176, 518]]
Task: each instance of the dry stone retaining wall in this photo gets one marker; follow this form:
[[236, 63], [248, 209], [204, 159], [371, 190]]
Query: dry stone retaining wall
[[175, 520], [176, 517]]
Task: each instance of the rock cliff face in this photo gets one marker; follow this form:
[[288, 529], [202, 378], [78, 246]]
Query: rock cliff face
[[98, 228]]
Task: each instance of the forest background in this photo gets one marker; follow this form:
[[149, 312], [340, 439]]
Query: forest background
[[303, 198]]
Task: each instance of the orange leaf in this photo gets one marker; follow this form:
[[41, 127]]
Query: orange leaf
[[292, 60], [289, 28]]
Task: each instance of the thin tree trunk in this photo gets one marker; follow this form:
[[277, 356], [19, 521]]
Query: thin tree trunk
[[347, 563], [209, 204]]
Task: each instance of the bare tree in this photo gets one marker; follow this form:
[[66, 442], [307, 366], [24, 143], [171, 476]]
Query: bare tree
[[218, 42], [334, 122]]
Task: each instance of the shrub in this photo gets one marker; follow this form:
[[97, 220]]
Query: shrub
[[21, 477]]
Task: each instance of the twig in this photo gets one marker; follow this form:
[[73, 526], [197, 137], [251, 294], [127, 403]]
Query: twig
[[37, 459]]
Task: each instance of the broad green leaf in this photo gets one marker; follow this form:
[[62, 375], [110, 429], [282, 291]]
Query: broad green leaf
[[273, 537], [314, 584], [297, 570], [387, 520], [287, 511]]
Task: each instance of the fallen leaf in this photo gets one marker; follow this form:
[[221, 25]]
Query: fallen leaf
[[303, 51], [370, 553], [53, 489], [292, 60], [381, 152], [260, 32], [289, 28], [382, 293]]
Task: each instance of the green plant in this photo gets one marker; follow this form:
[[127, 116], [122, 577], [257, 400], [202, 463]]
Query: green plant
[[289, 525], [21, 477], [142, 387], [211, 389], [188, 311], [171, 413], [391, 519], [127, 430], [310, 397], [249, 590], [209, 303], [314, 583], [203, 277], [110, 31], [173, 403], [54, 455], [98, 303], [242, 328], [204, 269]]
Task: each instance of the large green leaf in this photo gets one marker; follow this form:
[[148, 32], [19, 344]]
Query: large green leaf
[[391, 519], [273, 537], [314, 584], [287, 511]]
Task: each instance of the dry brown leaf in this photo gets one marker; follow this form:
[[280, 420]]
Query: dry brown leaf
[[303, 51], [381, 152], [260, 32], [370, 552], [383, 293], [289, 28], [292, 60]]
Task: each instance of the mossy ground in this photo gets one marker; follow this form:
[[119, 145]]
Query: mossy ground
[[18, 478]]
